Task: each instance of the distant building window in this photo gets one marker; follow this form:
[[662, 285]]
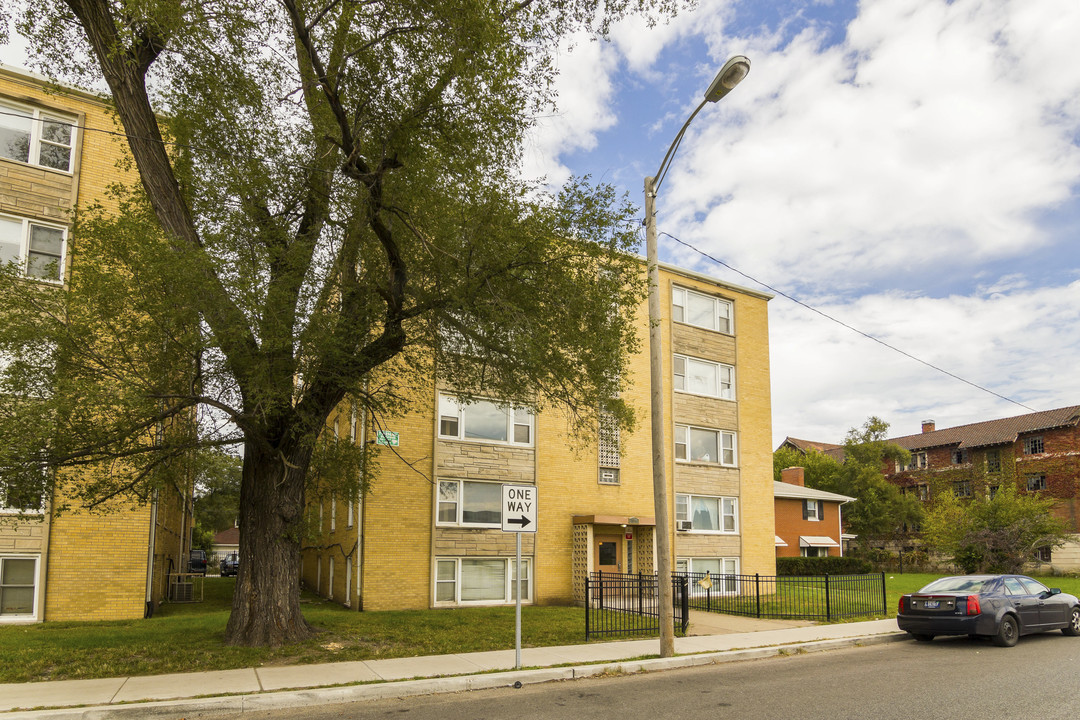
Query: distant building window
[[922, 492], [814, 552], [993, 491], [813, 510], [993, 461], [36, 137], [917, 461], [703, 377], [484, 421], [706, 514], [704, 311], [958, 457], [694, 444], [36, 248], [1033, 445], [1044, 554], [1036, 483], [608, 449], [962, 488]]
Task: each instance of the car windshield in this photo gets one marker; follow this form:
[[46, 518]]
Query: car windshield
[[956, 584]]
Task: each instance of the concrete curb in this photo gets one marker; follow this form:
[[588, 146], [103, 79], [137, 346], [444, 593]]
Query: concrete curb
[[190, 709]]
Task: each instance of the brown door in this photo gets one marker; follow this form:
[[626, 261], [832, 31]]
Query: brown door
[[607, 553]]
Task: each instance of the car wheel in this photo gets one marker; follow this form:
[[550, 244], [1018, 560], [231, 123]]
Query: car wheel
[[1008, 632], [1074, 623], [922, 637]]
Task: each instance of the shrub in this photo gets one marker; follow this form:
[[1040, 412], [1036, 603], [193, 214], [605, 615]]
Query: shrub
[[822, 566]]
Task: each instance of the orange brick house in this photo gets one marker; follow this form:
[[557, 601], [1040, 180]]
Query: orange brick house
[[808, 521], [58, 152]]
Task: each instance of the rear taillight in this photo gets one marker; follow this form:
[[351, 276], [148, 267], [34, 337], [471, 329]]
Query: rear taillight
[[903, 605], [973, 605]]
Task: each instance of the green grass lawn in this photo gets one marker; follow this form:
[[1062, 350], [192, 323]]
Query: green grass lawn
[[190, 637]]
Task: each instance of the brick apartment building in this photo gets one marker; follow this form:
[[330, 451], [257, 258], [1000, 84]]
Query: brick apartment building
[[58, 151], [809, 522], [428, 533]]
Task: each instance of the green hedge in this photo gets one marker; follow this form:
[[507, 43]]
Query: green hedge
[[822, 566]]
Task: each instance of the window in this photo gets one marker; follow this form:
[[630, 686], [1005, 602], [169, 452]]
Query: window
[[723, 573], [813, 510], [37, 249], [608, 449], [918, 461], [814, 552], [694, 444], [477, 504], [20, 500], [484, 421], [962, 488], [993, 461], [1044, 554], [18, 587], [333, 512], [704, 311], [703, 377], [1036, 483], [993, 490], [922, 492], [1033, 445], [36, 137], [330, 587], [706, 514], [958, 457], [485, 580]]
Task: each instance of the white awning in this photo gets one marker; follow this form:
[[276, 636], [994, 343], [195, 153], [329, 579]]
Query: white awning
[[817, 541], [779, 541]]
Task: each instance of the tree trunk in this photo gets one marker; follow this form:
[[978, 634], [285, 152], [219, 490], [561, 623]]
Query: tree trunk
[[266, 602]]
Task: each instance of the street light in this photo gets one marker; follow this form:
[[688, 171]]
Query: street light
[[730, 75]]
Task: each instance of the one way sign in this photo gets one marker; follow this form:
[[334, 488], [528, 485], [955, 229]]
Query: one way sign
[[519, 508]]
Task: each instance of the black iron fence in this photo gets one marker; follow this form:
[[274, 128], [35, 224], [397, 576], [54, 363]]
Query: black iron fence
[[618, 604], [621, 604], [801, 597]]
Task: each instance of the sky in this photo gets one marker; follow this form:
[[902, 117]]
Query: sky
[[907, 168]]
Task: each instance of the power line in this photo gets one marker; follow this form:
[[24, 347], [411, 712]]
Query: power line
[[849, 327]]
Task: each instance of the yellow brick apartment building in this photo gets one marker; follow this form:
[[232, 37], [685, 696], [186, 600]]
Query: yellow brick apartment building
[[428, 533], [59, 151]]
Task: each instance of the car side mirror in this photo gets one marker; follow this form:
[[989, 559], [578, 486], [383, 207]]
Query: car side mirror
[[1055, 591]]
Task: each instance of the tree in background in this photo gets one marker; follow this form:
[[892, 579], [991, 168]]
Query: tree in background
[[880, 513], [998, 534], [328, 209], [217, 498]]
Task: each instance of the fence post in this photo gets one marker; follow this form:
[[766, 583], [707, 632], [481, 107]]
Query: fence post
[[884, 600], [588, 609], [828, 611], [641, 593], [684, 589], [757, 594]]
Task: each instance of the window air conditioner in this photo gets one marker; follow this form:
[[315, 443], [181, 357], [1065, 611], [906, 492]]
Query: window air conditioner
[[684, 525]]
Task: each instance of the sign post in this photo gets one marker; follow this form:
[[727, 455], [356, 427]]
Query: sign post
[[518, 516]]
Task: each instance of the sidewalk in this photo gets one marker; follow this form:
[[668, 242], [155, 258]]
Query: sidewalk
[[188, 695]]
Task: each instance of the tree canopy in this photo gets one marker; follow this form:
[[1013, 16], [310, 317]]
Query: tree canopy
[[328, 208]]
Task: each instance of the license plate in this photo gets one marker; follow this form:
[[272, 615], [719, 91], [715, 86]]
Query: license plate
[[931, 604]]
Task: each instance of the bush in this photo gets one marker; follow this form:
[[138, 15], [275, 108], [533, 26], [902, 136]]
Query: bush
[[822, 566]]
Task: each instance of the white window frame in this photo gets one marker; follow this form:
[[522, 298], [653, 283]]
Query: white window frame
[[1035, 482], [811, 508], [818, 552], [727, 507], [509, 584], [32, 616], [38, 117], [330, 585], [727, 584], [459, 500], [726, 444], [333, 512], [1030, 444], [25, 235], [722, 315], [451, 420], [723, 376]]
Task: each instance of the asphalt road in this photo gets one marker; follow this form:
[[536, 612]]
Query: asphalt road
[[949, 678]]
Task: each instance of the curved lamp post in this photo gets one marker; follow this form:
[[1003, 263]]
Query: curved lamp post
[[730, 75]]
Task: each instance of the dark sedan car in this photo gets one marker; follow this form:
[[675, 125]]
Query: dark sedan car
[[1001, 607], [230, 564]]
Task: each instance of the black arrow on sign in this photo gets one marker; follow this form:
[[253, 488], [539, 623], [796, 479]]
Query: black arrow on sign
[[522, 521]]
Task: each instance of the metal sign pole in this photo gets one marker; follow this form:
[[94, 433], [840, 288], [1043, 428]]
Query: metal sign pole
[[517, 629]]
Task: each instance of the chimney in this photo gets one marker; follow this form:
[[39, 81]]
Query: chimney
[[927, 426], [793, 476]]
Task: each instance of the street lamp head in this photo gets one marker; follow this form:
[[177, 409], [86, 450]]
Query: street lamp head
[[730, 75]]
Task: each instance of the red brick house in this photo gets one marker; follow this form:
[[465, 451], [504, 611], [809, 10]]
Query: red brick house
[[808, 521]]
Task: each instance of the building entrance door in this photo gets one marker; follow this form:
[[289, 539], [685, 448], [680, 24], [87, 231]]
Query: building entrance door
[[607, 553]]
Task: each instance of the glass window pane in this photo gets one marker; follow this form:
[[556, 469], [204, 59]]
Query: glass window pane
[[706, 513], [56, 131], [484, 420], [16, 601], [482, 503], [18, 571], [709, 565], [701, 377], [729, 515], [54, 156], [701, 311], [483, 579], [447, 570], [15, 134], [703, 445], [10, 240]]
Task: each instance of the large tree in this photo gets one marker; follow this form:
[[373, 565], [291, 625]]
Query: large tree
[[326, 190]]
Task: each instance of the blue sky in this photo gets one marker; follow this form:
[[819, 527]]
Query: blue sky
[[910, 168]]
